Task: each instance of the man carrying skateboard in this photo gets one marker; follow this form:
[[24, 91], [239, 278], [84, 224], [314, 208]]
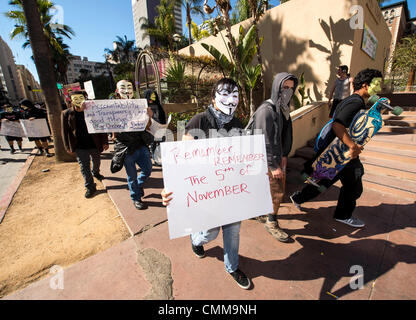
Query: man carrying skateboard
[[351, 174]]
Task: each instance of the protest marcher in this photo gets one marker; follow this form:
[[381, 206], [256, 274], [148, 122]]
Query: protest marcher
[[137, 152], [31, 113], [342, 88], [158, 115], [351, 174], [273, 118], [11, 114], [84, 145], [219, 115]]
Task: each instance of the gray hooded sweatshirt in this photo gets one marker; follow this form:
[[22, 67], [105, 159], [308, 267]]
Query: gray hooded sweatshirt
[[276, 128]]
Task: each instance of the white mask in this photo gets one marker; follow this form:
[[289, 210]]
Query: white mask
[[227, 101], [125, 89]]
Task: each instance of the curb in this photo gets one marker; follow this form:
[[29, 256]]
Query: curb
[[11, 191]]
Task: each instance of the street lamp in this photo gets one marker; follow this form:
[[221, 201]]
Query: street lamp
[[177, 38]]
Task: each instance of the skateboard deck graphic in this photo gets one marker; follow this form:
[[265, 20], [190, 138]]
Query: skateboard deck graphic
[[336, 155]]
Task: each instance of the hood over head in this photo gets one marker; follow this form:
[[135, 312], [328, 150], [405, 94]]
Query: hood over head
[[278, 81]]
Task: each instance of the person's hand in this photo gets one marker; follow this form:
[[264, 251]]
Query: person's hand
[[70, 153], [166, 199], [150, 112], [277, 174], [105, 147], [355, 150]]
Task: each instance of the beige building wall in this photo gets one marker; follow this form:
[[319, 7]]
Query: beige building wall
[[29, 85], [313, 37]]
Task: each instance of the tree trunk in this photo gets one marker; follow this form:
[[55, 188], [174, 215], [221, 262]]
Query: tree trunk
[[411, 79], [188, 22], [259, 58], [44, 67]]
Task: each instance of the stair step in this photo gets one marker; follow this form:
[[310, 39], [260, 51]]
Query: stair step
[[400, 123], [399, 138], [387, 162], [401, 174], [389, 191], [305, 152], [385, 148], [389, 144], [395, 129], [404, 115], [392, 182]]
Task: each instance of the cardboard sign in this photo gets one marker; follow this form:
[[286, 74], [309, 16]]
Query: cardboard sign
[[11, 128], [67, 89], [215, 182], [89, 88], [37, 128], [118, 115]]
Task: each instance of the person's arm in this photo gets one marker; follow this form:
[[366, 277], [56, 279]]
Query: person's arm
[[342, 134], [331, 94], [351, 85]]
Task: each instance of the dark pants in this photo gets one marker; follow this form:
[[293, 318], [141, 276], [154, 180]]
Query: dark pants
[[351, 190], [334, 106], [84, 156]]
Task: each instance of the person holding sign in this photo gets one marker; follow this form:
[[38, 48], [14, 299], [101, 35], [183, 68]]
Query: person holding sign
[[10, 114], [32, 113], [136, 143], [218, 116], [273, 118], [84, 145]]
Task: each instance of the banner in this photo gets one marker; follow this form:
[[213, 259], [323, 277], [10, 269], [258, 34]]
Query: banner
[[370, 43], [215, 182], [118, 115], [11, 128], [37, 128]]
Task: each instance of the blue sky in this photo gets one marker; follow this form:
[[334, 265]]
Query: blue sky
[[96, 24]]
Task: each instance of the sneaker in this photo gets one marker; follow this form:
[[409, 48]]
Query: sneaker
[[100, 177], [48, 155], [198, 250], [241, 279], [90, 192], [40, 151], [353, 222], [297, 205], [12, 151], [140, 205], [273, 228]]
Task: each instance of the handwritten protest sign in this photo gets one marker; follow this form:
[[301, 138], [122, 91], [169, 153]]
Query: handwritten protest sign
[[11, 128], [37, 128], [118, 115], [215, 182], [89, 88]]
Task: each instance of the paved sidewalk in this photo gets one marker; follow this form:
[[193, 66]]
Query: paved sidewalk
[[315, 265]]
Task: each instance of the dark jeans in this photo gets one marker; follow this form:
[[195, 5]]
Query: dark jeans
[[334, 106], [351, 190], [141, 157], [84, 156]]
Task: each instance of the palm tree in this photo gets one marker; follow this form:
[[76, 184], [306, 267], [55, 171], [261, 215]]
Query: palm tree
[[62, 61], [163, 28], [126, 48], [44, 66], [192, 7], [52, 34]]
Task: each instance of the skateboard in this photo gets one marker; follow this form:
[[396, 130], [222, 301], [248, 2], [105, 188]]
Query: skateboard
[[336, 155]]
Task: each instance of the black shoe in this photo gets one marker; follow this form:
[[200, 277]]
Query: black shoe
[[12, 151], [140, 205], [40, 152], [198, 250], [100, 177], [90, 192], [48, 155], [241, 279]]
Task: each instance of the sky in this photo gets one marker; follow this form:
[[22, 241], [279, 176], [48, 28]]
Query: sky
[[96, 24]]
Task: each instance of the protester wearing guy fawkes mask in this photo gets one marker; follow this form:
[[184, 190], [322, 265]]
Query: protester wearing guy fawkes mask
[[135, 145], [219, 115], [273, 118], [79, 142]]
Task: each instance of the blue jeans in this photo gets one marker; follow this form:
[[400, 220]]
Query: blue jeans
[[231, 240], [84, 156], [141, 157]]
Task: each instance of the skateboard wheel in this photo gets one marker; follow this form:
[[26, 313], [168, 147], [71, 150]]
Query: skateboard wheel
[[305, 177], [322, 189], [397, 111], [373, 99]]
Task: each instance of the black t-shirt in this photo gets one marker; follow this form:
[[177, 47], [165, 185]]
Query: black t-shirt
[[348, 108], [205, 121], [84, 139]]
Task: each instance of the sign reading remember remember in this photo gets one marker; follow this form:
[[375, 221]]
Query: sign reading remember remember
[[215, 182], [118, 115]]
